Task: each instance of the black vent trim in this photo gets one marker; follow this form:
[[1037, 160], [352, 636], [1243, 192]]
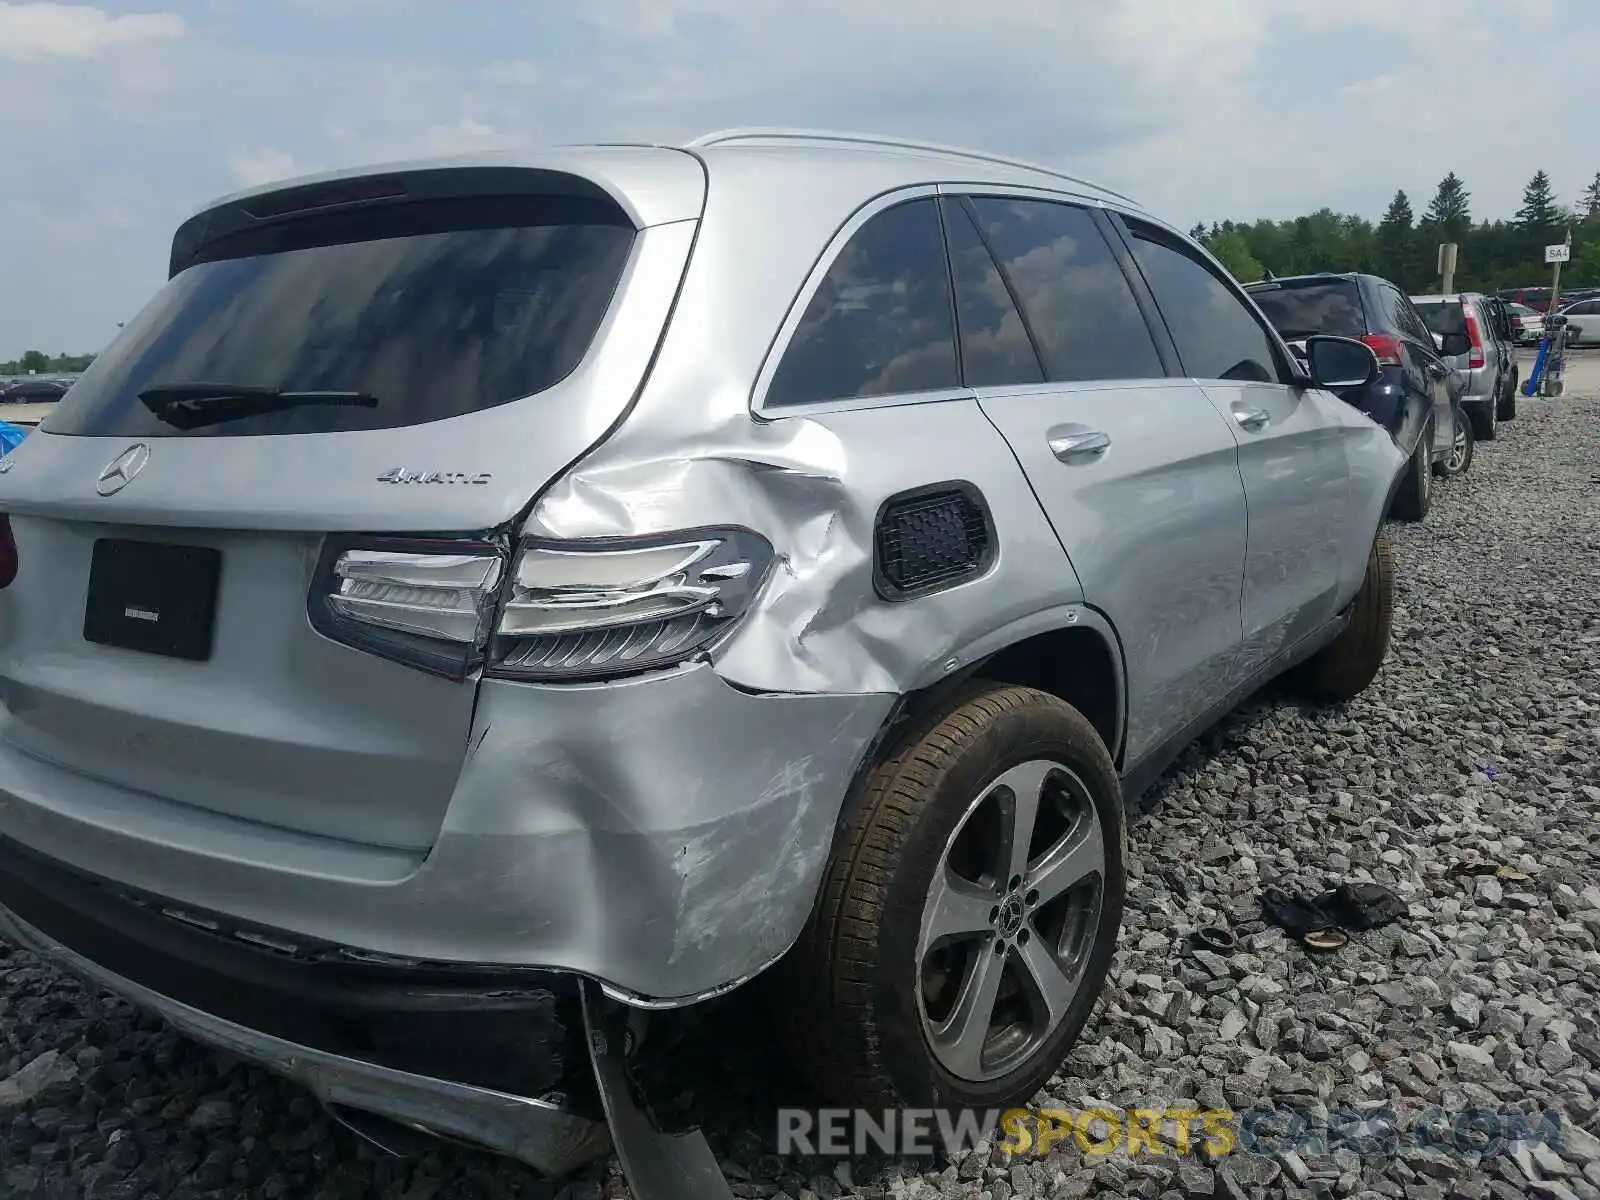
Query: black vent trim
[[931, 538]]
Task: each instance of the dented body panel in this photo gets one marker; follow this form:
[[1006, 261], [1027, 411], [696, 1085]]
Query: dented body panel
[[662, 835]]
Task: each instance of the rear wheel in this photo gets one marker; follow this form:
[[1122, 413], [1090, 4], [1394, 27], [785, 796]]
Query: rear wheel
[[1459, 460], [1507, 410], [1344, 667], [1485, 419], [1415, 497], [968, 919]]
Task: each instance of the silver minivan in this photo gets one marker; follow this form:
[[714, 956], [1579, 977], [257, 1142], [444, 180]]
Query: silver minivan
[[482, 613]]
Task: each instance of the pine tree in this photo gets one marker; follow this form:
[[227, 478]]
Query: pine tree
[[1590, 204], [1449, 213], [1539, 214], [1397, 243]]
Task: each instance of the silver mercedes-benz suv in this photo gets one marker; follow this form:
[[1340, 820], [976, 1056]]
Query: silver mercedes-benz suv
[[481, 609]]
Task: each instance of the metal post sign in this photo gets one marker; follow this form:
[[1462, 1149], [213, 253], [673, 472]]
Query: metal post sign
[[1558, 253]]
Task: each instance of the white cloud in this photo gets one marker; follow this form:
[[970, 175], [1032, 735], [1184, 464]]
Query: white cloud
[[252, 165], [1201, 108], [31, 31]]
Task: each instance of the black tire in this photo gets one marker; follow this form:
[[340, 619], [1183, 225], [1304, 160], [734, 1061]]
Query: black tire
[[1447, 467], [1415, 497], [1344, 667], [1507, 411], [847, 995], [1485, 418]]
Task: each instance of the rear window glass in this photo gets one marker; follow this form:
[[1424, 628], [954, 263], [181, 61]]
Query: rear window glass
[[1443, 316], [880, 322], [1297, 312], [443, 314]]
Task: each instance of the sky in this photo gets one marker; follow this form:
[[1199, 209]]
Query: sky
[[119, 120]]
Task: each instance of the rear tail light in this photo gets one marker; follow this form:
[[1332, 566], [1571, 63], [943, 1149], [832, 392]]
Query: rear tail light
[[1475, 358], [8, 551], [567, 610], [425, 603], [1385, 346], [608, 607]]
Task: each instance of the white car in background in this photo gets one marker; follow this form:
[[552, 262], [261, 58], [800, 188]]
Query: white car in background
[[1583, 323], [1527, 324]]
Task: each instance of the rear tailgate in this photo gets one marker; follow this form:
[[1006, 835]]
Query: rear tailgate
[[159, 634], [1299, 308], [1445, 317]]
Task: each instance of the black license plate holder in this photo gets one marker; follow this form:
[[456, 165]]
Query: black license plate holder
[[154, 597]]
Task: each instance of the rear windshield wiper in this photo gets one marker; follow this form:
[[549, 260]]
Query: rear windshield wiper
[[191, 405]]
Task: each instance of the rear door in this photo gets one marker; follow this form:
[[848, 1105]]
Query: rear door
[[1291, 448], [1136, 470], [225, 527], [1426, 375]]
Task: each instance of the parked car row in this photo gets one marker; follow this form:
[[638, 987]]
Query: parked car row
[[1538, 298], [927, 502], [1444, 379], [26, 402]]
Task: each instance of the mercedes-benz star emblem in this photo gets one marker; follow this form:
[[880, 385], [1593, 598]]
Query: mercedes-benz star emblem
[[121, 470]]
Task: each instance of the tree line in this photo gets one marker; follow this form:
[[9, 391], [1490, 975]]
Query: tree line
[[1402, 247], [39, 363]]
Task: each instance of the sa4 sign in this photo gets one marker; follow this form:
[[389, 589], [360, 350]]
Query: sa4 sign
[[1558, 253], [406, 475]]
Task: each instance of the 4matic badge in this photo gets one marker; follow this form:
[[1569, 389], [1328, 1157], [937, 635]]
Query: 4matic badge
[[406, 475]]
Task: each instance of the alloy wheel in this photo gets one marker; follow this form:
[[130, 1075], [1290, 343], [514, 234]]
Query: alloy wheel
[[1010, 920], [1458, 450]]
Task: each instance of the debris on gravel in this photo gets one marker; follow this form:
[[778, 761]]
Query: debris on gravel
[[1478, 746]]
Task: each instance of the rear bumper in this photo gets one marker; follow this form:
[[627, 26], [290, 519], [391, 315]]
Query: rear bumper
[[664, 836], [537, 1132], [1480, 386]]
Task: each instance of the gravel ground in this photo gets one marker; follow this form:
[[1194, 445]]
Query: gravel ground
[[1479, 744]]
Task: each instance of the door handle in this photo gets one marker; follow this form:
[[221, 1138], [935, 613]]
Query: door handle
[[1252, 418], [1072, 447]]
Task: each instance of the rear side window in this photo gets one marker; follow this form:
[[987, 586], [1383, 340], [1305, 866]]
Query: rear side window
[[1217, 335], [432, 311], [1076, 299], [1411, 323], [1443, 316], [995, 347], [880, 323], [1299, 310]]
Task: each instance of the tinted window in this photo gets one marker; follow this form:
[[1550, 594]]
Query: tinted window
[[1217, 336], [1297, 310], [1411, 322], [1443, 316], [995, 347], [880, 322], [1074, 295], [1588, 306], [435, 312]]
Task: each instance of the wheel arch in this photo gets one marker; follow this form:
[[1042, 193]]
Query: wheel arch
[[1072, 652]]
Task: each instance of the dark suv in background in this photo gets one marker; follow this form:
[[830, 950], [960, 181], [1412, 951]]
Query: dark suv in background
[[1413, 397]]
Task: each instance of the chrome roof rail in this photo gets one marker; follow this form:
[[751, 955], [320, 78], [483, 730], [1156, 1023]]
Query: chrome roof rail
[[723, 137]]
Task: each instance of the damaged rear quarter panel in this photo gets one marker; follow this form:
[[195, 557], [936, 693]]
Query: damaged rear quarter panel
[[730, 846]]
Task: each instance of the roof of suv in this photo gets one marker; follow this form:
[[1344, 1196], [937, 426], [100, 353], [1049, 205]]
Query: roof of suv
[[656, 183], [1308, 279]]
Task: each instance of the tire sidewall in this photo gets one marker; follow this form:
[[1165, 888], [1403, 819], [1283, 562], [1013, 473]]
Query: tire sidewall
[[1040, 730]]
